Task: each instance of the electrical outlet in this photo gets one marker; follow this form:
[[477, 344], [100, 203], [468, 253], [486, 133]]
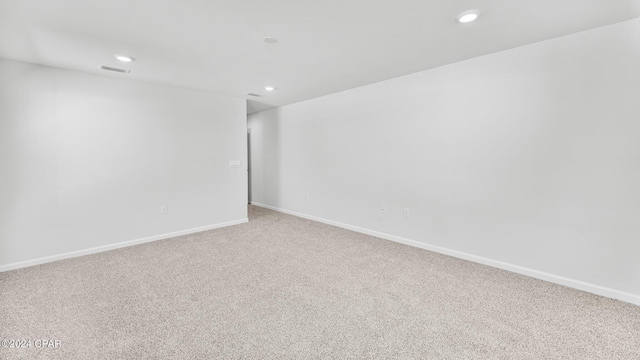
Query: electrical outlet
[[164, 210], [383, 208], [306, 196], [405, 212]]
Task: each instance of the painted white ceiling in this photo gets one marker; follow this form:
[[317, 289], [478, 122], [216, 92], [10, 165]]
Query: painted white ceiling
[[325, 46]]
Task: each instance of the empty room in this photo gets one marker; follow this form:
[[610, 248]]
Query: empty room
[[305, 179]]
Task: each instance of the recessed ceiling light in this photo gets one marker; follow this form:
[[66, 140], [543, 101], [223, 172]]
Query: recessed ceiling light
[[468, 16], [269, 88], [270, 40], [123, 58]]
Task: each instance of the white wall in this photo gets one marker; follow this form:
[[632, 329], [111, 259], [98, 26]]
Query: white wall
[[86, 161], [529, 157]]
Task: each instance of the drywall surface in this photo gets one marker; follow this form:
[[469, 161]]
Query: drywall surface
[[87, 161], [528, 157]]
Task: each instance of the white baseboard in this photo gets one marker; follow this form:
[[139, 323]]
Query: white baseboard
[[98, 249], [576, 284]]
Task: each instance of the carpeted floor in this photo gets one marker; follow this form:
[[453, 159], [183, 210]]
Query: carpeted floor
[[281, 287]]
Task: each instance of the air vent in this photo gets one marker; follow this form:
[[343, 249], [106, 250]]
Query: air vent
[[254, 94], [109, 68]]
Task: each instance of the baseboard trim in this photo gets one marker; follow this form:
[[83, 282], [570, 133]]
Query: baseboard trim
[[576, 284], [98, 249]]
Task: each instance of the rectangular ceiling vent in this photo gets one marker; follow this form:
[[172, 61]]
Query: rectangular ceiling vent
[[109, 68], [254, 94]]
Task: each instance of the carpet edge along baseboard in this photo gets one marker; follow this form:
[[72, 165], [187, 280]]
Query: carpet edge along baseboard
[[108, 247], [556, 279]]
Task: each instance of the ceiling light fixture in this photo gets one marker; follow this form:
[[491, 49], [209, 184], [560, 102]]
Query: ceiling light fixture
[[269, 88], [468, 16], [124, 58]]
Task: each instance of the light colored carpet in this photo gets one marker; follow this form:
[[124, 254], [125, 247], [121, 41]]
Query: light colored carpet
[[281, 287]]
